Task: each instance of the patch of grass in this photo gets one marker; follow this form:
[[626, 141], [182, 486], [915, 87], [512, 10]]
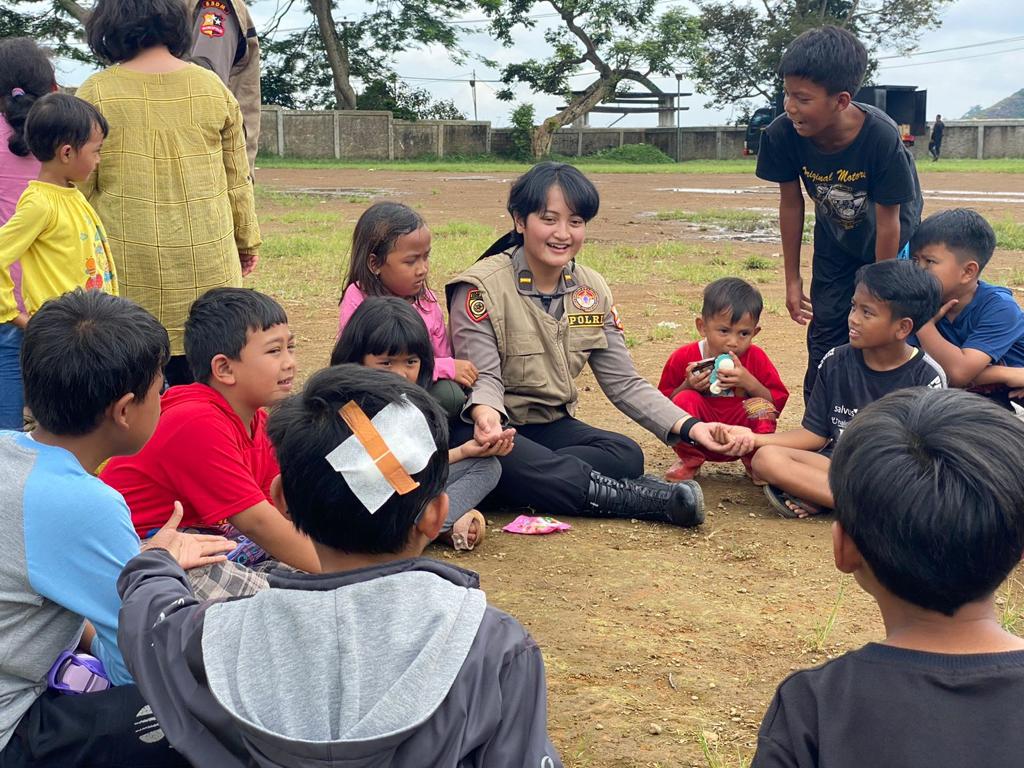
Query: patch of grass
[[491, 164], [1009, 234], [1010, 605], [635, 154], [965, 165], [358, 199], [818, 642], [1016, 277], [758, 262], [712, 756]]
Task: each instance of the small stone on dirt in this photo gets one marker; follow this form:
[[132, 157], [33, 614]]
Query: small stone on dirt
[[654, 729]]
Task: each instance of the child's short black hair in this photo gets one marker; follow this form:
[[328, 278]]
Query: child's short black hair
[[909, 291], [57, 119], [82, 352], [118, 30], [733, 294], [219, 323], [386, 325], [305, 428], [928, 485], [829, 56], [963, 231]]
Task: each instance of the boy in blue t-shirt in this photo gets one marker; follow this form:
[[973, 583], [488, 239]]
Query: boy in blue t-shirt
[[851, 160], [978, 335], [92, 366]]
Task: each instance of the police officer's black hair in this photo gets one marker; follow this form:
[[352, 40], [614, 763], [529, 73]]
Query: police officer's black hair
[[60, 119], [907, 290], [386, 325], [119, 30], [24, 67], [963, 231], [829, 56], [219, 323], [84, 351], [529, 194], [734, 294], [307, 427], [928, 485]]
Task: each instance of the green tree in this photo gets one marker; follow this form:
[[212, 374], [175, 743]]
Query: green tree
[[54, 24], [407, 103], [619, 40], [740, 45]]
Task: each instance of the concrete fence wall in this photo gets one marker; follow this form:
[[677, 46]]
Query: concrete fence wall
[[361, 135]]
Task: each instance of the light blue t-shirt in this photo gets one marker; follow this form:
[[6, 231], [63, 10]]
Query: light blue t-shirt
[[66, 537]]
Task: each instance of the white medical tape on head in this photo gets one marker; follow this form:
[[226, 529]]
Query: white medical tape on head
[[404, 436]]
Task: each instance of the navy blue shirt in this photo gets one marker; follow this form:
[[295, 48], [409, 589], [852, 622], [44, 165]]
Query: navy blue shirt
[[992, 323]]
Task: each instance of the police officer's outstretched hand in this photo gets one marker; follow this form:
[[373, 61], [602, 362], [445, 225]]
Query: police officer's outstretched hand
[[723, 438]]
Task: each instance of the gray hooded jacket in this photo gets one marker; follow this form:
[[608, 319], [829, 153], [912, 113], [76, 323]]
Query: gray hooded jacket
[[402, 664]]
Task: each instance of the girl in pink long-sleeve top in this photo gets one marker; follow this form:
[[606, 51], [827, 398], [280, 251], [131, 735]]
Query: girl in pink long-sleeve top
[[391, 257]]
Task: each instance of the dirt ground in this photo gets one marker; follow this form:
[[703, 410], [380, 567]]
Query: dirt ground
[[663, 646]]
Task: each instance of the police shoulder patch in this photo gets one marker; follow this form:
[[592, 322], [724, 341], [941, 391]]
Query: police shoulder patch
[[475, 307]]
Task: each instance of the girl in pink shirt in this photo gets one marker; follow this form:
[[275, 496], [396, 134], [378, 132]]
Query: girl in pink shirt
[[25, 74], [391, 257]]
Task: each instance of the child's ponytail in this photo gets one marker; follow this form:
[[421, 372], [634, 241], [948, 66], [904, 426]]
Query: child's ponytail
[[506, 242], [26, 74]]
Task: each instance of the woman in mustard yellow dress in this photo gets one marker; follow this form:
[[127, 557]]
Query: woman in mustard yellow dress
[[173, 186]]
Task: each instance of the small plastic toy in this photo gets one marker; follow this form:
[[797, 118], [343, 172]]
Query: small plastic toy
[[722, 363], [76, 673]]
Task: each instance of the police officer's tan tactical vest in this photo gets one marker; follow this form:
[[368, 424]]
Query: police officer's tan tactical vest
[[244, 80], [540, 356]]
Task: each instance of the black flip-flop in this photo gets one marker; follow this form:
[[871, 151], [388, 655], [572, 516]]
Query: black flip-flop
[[778, 498]]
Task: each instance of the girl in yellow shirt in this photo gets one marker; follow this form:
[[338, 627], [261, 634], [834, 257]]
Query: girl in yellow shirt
[[54, 231]]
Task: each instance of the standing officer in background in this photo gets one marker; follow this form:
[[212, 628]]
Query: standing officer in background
[[224, 41]]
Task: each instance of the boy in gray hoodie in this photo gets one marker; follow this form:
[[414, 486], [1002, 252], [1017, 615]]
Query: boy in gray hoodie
[[385, 658]]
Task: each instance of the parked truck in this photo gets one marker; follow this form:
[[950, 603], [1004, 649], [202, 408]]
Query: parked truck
[[905, 104]]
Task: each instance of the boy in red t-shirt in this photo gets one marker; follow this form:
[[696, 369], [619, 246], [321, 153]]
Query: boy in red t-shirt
[[210, 450], [748, 394]]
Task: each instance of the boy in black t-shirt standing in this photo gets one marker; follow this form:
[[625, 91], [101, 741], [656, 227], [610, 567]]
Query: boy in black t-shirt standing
[[851, 159], [930, 521], [892, 300]]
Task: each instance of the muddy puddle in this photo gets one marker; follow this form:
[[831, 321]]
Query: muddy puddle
[[366, 192]]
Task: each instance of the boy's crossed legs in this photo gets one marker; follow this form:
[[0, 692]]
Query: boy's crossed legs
[[801, 475]]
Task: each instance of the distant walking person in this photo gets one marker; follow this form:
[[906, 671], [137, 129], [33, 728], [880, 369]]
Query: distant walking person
[[935, 143]]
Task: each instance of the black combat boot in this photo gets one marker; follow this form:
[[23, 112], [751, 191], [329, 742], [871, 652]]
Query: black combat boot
[[645, 498]]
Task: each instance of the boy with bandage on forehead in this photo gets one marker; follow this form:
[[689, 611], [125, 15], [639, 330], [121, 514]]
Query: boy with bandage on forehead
[[384, 658]]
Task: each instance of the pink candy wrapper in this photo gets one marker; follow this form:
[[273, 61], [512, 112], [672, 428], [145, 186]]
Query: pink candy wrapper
[[536, 525]]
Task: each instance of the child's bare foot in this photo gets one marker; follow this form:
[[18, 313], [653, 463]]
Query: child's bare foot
[[788, 505], [468, 531]]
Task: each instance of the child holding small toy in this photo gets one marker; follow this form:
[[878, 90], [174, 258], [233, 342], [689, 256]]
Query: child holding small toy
[[391, 257], [724, 377], [386, 333]]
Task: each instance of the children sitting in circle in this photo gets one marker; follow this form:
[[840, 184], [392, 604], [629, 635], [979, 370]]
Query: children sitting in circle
[[391, 257], [749, 390], [387, 334]]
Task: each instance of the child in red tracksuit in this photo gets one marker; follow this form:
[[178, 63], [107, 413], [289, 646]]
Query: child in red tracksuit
[[749, 394]]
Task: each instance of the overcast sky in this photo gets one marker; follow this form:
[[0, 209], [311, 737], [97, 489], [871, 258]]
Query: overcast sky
[[956, 80]]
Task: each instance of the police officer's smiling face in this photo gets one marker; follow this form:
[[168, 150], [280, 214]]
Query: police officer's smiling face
[[553, 236]]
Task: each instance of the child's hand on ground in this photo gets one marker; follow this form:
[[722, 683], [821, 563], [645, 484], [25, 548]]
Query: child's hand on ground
[[248, 261], [699, 381], [798, 303], [466, 373], [191, 550]]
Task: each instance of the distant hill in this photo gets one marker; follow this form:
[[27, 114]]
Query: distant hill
[[1008, 108]]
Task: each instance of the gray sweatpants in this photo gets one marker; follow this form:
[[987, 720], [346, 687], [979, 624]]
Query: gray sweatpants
[[469, 481]]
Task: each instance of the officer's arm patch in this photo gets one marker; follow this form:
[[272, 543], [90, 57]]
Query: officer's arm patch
[[475, 307]]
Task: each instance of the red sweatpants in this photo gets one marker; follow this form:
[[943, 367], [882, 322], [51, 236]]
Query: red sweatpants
[[727, 410]]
